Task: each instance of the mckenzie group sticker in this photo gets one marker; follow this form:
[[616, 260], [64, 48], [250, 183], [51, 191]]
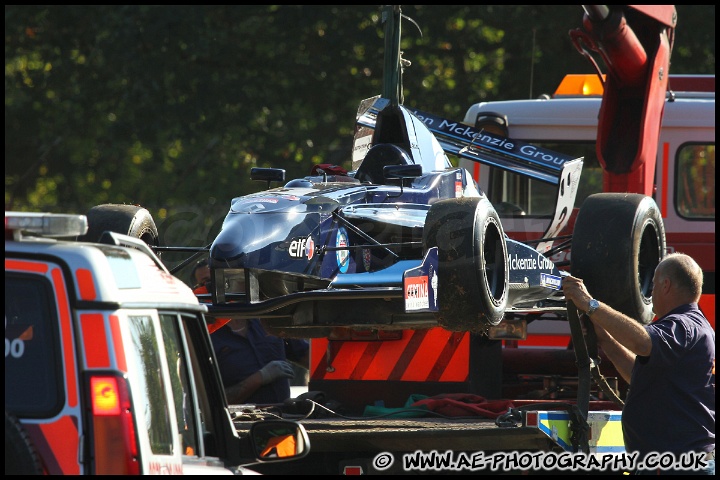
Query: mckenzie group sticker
[[343, 255]]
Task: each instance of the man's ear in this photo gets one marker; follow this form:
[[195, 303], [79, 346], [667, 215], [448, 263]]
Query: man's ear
[[666, 284]]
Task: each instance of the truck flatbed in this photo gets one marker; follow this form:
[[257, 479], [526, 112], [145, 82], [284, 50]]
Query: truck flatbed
[[408, 435]]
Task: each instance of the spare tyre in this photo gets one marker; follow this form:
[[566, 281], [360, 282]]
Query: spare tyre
[[618, 240], [132, 220]]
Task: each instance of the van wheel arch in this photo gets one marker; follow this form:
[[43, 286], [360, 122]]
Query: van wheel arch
[[21, 457]]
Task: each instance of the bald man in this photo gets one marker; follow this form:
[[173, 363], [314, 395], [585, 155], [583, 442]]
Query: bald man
[[669, 364]]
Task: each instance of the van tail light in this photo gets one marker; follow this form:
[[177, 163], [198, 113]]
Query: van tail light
[[114, 441]]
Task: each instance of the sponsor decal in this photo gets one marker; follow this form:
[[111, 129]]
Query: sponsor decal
[[343, 256], [550, 281], [361, 145], [458, 185], [259, 199], [302, 248], [472, 136], [416, 293], [516, 262], [420, 284], [367, 259], [310, 248]]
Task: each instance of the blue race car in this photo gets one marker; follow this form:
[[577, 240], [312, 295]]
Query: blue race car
[[406, 240]]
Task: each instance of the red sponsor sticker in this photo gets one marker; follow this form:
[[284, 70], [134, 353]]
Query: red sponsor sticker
[[416, 293]]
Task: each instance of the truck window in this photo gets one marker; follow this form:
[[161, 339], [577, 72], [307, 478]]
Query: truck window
[[208, 399], [185, 352], [516, 194], [695, 181], [177, 361], [33, 377], [149, 395]]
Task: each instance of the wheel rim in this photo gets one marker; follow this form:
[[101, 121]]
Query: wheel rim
[[648, 260], [494, 264]]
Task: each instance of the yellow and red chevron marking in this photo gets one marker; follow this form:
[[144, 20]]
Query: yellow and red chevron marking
[[433, 355]]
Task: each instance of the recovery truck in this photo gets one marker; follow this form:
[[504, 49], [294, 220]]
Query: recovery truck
[[522, 389]]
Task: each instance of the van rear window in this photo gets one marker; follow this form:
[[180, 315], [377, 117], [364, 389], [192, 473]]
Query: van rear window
[[33, 376], [695, 181]]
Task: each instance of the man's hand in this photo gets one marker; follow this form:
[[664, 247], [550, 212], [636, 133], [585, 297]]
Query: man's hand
[[576, 292], [276, 369]]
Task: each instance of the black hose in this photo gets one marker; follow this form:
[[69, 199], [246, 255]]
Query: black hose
[[582, 358]]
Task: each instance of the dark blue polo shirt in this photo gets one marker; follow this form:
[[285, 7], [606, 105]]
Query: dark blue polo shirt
[[239, 357], [670, 406]]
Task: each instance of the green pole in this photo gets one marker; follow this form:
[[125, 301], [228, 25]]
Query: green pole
[[391, 69]]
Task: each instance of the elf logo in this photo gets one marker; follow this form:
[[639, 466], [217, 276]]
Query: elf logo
[[302, 248]]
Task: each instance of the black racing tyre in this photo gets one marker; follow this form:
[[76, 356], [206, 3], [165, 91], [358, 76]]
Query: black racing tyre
[[132, 220], [618, 240], [473, 276], [21, 458]]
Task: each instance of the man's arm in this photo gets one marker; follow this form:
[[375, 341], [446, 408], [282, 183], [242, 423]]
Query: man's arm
[[628, 332], [242, 390], [621, 357], [623, 329]]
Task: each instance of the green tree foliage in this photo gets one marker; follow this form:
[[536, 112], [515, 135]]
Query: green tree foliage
[[170, 107]]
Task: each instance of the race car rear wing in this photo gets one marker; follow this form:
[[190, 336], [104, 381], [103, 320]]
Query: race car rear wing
[[515, 156], [487, 148]]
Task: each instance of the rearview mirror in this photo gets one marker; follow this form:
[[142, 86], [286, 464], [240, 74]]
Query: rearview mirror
[[402, 171], [279, 440], [267, 174]]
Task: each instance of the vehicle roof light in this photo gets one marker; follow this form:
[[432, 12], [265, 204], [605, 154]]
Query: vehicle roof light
[[45, 224], [580, 85]]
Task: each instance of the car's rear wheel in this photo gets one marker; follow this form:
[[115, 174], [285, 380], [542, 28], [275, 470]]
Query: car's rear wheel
[[131, 220], [473, 272], [618, 240]]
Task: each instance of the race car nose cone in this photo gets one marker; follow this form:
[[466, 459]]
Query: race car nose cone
[[241, 234], [259, 240], [226, 252]]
